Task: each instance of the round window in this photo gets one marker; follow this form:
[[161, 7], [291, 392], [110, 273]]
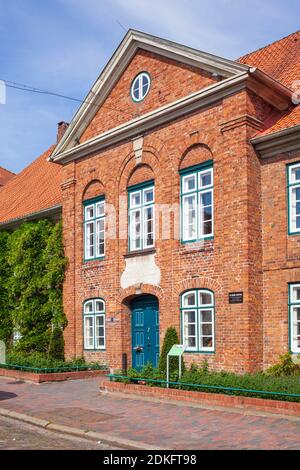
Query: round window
[[140, 86]]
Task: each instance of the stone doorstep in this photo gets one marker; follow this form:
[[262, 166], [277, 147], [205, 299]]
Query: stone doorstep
[[247, 405], [53, 377], [106, 439]]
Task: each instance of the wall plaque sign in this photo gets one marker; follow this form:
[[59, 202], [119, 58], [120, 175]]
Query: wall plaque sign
[[236, 297]]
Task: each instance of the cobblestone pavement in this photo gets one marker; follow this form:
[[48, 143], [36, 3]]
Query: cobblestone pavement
[[79, 404], [15, 435]]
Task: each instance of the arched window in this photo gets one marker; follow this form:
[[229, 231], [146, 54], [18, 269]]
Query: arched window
[[94, 324], [197, 320]]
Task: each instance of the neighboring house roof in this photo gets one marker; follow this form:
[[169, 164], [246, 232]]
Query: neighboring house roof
[[5, 176], [34, 190], [281, 60]]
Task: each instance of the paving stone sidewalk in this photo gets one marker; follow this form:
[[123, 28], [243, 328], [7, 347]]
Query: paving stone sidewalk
[[79, 404]]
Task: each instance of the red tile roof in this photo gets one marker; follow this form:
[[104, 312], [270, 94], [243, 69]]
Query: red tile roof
[[36, 188], [281, 60], [5, 176]]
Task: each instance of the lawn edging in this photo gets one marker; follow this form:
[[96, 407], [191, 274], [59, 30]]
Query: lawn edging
[[53, 376], [212, 399]]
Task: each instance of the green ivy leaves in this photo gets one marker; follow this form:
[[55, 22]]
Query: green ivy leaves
[[32, 267]]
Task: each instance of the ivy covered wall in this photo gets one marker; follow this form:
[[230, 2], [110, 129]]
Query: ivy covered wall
[[32, 267]]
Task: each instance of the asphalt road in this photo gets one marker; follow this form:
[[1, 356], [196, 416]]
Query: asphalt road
[[15, 435]]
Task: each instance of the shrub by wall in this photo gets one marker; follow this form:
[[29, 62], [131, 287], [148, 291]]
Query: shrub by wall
[[31, 277]]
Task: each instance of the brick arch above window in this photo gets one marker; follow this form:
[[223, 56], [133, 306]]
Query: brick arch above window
[[93, 189], [195, 155], [201, 282], [149, 159], [140, 174]]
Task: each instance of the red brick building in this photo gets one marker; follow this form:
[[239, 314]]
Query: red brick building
[[181, 206]]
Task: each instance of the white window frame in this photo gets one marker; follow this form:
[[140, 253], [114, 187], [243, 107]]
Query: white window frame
[[93, 313], [293, 185], [95, 223], [293, 326], [139, 80], [197, 192], [141, 208], [198, 308]]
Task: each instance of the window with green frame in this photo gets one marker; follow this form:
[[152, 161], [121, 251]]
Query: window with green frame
[[94, 228], [198, 320], [94, 324], [197, 207], [294, 317], [293, 177], [141, 200]]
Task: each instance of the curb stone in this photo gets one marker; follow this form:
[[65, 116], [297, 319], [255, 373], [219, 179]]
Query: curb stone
[[86, 434]]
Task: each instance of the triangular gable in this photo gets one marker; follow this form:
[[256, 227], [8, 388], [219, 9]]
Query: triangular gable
[[133, 41]]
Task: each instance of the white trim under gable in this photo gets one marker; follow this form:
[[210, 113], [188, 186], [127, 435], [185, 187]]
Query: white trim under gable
[[133, 41]]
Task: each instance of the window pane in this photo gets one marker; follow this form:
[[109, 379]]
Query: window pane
[[295, 293], [99, 306], [135, 230], [189, 328], [189, 217], [100, 208], [148, 226], [205, 213], [90, 240], [205, 178], [205, 316], [100, 237], [89, 332], [295, 174], [206, 330], [88, 307], [189, 299], [205, 298], [207, 342], [148, 195], [99, 331], [89, 212], [189, 183], [135, 199]]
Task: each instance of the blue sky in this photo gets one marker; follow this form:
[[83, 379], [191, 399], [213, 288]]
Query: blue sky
[[62, 45]]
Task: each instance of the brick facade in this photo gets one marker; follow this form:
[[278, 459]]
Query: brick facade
[[250, 252]]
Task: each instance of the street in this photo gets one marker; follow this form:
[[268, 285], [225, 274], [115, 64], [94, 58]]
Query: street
[[15, 435]]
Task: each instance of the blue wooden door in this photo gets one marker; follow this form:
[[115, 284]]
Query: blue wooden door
[[145, 331]]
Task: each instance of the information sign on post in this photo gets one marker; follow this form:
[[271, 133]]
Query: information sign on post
[[176, 351]]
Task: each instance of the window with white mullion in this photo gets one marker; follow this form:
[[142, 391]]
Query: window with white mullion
[[190, 329], [206, 330], [94, 324], [294, 197], [90, 240], [197, 205], [100, 232], [189, 203], [135, 230], [148, 230], [88, 332], [197, 317], [141, 219], [94, 228], [205, 205], [99, 331], [294, 296]]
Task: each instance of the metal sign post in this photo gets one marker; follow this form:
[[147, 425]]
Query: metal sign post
[[176, 351]]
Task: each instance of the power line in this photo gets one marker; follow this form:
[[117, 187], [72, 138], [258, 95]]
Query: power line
[[30, 89]]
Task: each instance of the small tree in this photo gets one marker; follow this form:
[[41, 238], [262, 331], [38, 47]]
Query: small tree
[[171, 338], [57, 344]]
